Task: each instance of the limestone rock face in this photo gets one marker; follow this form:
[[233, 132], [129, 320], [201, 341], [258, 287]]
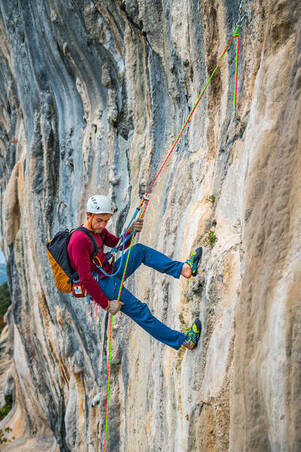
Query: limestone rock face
[[93, 95]]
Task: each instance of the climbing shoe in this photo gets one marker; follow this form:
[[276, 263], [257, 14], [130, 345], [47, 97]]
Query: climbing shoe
[[194, 259], [193, 335]]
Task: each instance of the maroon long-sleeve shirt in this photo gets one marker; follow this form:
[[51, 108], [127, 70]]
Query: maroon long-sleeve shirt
[[79, 250]]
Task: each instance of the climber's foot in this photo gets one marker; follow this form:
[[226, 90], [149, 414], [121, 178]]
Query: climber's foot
[[193, 335], [193, 261]]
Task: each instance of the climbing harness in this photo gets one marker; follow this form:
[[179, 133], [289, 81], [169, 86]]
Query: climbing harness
[[145, 200]]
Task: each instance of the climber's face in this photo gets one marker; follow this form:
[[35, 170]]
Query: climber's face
[[98, 221]]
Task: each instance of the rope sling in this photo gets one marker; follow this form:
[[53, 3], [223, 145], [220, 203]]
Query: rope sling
[[145, 201]]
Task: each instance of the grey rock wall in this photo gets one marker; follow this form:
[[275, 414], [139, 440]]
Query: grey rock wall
[[93, 95]]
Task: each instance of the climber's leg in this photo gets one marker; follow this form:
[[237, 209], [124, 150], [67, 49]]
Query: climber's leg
[[142, 254], [141, 314]]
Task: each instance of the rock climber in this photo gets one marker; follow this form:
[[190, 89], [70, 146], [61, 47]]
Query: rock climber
[[104, 290]]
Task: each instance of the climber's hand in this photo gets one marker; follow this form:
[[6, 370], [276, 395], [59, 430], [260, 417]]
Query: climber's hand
[[137, 225], [114, 306]]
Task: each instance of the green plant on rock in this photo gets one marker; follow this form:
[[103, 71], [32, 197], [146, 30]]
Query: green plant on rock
[[211, 199], [5, 409], [5, 302], [212, 238]]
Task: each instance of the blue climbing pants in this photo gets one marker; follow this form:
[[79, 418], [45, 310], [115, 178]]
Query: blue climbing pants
[[134, 308]]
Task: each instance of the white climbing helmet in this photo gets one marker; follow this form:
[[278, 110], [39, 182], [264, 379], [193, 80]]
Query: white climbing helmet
[[99, 204]]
